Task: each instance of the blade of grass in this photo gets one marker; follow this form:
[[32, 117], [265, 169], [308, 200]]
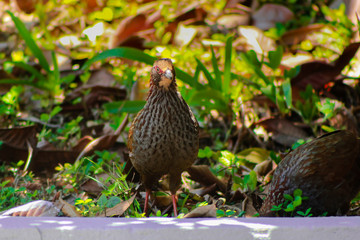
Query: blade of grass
[[122, 52], [26, 35], [20, 82], [137, 55], [124, 106], [216, 69], [197, 74], [56, 71], [209, 78], [31, 70], [187, 78], [227, 69]]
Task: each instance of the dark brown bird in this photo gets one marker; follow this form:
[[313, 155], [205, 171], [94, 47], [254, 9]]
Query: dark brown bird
[[163, 138], [327, 170]]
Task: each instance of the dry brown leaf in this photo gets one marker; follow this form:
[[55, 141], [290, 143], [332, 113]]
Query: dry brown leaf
[[248, 207], [270, 14], [92, 187], [68, 209], [208, 211], [345, 118], [233, 20], [39, 208], [27, 6], [295, 36], [98, 95], [119, 209], [203, 175], [19, 137], [184, 35], [284, 131], [344, 93], [127, 28], [268, 177], [162, 200], [263, 168], [101, 77], [256, 39], [317, 73], [47, 160]]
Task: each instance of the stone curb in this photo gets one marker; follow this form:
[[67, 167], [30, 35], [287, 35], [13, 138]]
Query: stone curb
[[32, 228]]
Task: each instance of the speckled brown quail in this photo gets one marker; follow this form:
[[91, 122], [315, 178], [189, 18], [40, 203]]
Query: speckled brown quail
[[327, 170], [163, 138]]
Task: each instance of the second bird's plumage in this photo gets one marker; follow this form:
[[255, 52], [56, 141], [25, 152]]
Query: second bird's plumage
[[327, 170]]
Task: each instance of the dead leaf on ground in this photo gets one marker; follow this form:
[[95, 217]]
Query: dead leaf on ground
[[317, 73], [344, 93], [208, 211], [254, 155], [27, 6], [161, 200], [91, 96], [256, 39], [39, 208], [68, 209], [100, 77], [263, 168], [203, 175], [270, 14], [45, 161], [283, 131], [118, 209], [128, 27], [19, 137], [17, 144], [93, 187], [250, 204], [295, 36], [346, 118]]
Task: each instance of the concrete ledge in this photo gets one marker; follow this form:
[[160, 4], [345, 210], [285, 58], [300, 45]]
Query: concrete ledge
[[169, 228]]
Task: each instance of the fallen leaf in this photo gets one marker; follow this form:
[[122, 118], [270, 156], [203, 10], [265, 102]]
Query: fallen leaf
[[344, 93], [254, 155], [263, 168], [208, 211], [295, 36], [270, 14], [184, 35], [318, 74], [250, 204], [203, 175], [256, 39], [127, 28], [39, 208], [93, 187], [283, 131], [92, 95], [68, 209], [19, 137], [27, 6], [118, 209]]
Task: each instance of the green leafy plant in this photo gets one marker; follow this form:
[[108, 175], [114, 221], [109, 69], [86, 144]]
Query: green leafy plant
[[51, 81], [291, 203], [279, 92], [216, 93]]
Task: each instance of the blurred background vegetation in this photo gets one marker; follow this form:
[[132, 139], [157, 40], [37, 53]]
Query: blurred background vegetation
[[262, 77]]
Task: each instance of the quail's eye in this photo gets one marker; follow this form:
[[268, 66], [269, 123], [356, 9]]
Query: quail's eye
[[157, 69]]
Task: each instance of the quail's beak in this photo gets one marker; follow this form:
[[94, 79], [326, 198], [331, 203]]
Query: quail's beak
[[168, 74], [166, 79]]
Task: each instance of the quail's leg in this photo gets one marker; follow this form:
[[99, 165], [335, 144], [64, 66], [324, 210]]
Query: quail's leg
[[174, 200], [148, 191], [174, 183]]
